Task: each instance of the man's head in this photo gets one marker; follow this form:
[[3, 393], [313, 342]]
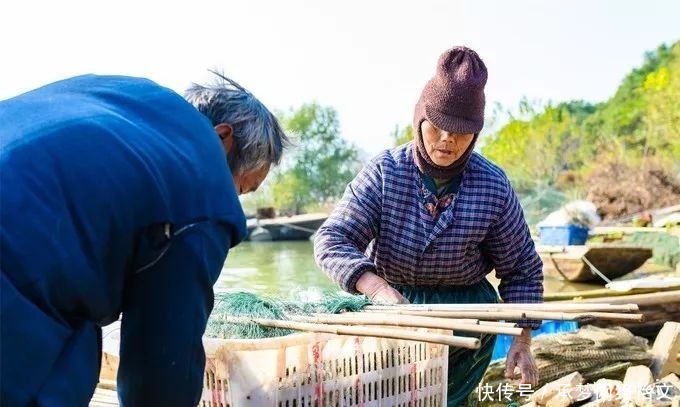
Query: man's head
[[251, 136]]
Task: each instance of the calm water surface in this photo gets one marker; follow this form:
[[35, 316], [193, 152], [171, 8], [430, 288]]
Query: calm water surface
[[282, 269]]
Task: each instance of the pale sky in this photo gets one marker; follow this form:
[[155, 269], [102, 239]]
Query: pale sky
[[368, 59]]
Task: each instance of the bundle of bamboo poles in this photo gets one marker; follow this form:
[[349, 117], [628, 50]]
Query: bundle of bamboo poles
[[513, 312], [384, 320]]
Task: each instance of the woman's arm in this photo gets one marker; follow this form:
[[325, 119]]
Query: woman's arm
[[341, 242], [509, 246]]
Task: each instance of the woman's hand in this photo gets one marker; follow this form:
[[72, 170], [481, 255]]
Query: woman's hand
[[520, 356], [378, 290]]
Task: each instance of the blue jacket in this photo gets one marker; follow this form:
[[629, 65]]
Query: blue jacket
[[115, 196]]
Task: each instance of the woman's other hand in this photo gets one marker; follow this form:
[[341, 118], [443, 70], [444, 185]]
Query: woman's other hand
[[520, 356]]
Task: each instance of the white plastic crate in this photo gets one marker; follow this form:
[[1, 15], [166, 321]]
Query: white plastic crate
[[318, 370], [315, 370]]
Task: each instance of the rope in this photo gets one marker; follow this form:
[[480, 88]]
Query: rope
[[595, 271]]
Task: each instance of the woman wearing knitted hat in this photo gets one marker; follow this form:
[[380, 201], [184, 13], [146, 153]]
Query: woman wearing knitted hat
[[427, 221]]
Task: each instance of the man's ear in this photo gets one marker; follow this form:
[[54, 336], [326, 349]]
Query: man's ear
[[226, 133]]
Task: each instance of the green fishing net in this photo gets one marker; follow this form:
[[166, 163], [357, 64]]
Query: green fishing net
[[233, 314], [337, 302]]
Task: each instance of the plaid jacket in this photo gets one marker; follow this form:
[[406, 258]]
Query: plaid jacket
[[381, 224]]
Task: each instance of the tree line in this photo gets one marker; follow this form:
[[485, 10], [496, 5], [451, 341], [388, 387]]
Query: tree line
[[551, 152]]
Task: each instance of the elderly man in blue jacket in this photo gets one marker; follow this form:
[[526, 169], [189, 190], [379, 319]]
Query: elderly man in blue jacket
[[117, 196]]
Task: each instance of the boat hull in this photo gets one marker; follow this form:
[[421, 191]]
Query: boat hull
[[612, 261], [290, 228]]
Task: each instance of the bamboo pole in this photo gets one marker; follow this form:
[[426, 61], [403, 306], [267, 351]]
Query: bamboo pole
[[497, 323], [476, 314], [459, 320], [631, 307], [358, 318], [473, 321], [522, 314], [457, 341], [568, 316], [664, 297], [599, 293]]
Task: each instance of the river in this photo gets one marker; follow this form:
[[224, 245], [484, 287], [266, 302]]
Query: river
[[284, 269]]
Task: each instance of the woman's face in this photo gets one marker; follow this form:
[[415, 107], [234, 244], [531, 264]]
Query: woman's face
[[444, 148]]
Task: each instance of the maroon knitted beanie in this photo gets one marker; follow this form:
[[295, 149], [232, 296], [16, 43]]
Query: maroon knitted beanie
[[453, 100]]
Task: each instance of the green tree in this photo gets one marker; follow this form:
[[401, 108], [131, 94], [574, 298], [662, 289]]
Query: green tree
[[534, 151], [661, 121], [620, 121], [641, 122], [321, 165], [402, 135], [289, 192]]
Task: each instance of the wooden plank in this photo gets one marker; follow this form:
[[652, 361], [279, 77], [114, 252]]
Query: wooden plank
[[109, 367], [665, 350], [107, 384], [645, 283]]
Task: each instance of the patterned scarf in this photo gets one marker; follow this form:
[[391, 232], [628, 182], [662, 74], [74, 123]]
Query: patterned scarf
[[435, 199]]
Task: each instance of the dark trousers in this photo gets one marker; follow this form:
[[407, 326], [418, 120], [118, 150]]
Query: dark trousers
[[466, 366]]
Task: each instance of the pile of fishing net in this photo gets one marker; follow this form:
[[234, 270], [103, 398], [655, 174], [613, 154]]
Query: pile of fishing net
[[594, 352], [233, 314]]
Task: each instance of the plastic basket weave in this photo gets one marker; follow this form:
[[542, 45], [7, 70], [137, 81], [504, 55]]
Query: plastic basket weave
[[313, 370]]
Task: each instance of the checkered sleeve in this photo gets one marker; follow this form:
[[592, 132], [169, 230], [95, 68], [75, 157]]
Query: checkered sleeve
[[511, 249], [341, 242]]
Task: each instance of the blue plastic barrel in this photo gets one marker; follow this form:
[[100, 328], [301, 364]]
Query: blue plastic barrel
[[562, 235]]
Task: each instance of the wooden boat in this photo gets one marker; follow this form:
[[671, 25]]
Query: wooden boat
[[596, 264], [296, 227]]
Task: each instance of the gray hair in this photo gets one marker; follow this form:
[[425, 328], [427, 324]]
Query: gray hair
[[258, 136]]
